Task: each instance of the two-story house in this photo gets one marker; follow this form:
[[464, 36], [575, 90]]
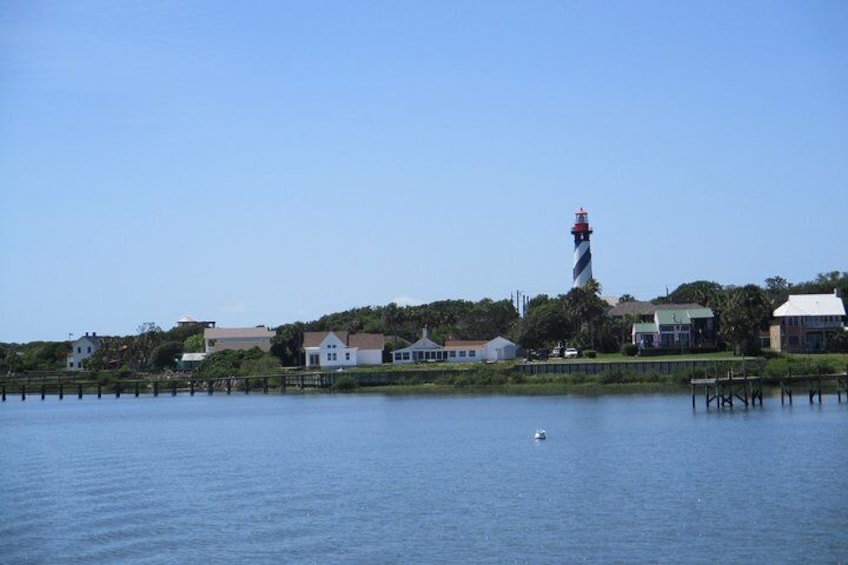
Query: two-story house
[[675, 326], [339, 349], [81, 349], [802, 323]]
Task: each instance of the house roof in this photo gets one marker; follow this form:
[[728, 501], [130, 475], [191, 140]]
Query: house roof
[[454, 343], [811, 305], [646, 328], [238, 333], [423, 344], [681, 315], [187, 357], [355, 341], [634, 307]]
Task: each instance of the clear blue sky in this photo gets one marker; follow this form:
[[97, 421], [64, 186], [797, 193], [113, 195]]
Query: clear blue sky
[[268, 162]]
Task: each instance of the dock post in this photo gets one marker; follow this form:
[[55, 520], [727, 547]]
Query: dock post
[[815, 389], [155, 388], [99, 390], [61, 391], [4, 393], [118, 390], [79, 392], [229, 386], [43, 390], [136, 389], [173, 388], [265, 385], [246, 385], [210, 386], [23, 392], [191, 387]]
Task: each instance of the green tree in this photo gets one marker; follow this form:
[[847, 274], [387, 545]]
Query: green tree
[[746, 311], [165, 355], [544, 324], [194, 344], [286, 345], [777, 289], [586, 312], [705, 293]]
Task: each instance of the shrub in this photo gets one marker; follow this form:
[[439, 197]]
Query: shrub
[[590, 354], [345, 383], [629, 349]]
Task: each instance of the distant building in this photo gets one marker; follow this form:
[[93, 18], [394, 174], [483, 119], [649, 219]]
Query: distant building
[[582, 270], [221, 339], [189, 321], [190, 361], [336, 349], [674, 325], [498, 349], [81, 349], [426, 350], [803, 322]]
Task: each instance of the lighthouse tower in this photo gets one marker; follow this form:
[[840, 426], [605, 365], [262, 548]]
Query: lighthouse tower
[[582, 253]]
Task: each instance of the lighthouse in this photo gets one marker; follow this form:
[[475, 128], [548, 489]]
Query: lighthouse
[[582, 253]]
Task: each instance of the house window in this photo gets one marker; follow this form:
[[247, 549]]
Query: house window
[[79, 349], [70, 364], [472, 353], [453, 354], [462, 353], [406, 356], [89, 349], [347, 356]]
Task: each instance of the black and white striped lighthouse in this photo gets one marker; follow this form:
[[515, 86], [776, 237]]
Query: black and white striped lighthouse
[[582, 253]]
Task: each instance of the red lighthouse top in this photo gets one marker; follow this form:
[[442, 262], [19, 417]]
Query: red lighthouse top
[[581, 222]]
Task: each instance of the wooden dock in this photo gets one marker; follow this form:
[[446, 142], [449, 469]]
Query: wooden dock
[[62, 385], [725, 391], [747, 390]]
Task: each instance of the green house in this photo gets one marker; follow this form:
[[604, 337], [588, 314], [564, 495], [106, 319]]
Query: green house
[[676, 326]]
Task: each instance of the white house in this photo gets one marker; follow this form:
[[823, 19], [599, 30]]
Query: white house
[[190, 361], [342, 349], [456, 351], [498, 349], [220, 339], [803, 322], [423, 350], [81, 349]]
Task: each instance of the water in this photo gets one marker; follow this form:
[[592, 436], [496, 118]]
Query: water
[[374, 479]]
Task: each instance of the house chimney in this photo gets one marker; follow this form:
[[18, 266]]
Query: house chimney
[[86, 334], [836, 293], [93, 334], [426, 334]]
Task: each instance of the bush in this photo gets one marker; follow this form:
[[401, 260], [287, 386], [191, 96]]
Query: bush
[[590, 353], [629, 350], [345, 383]]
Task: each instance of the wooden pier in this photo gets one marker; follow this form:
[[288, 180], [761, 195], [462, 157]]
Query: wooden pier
[[62, 384], [747, 390], [725, 391]]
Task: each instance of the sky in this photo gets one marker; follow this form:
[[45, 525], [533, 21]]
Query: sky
[[266, 162]]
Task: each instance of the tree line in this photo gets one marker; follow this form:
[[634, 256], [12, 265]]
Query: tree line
[[577, 318]]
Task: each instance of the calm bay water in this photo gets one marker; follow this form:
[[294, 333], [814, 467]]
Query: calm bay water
[[375, 479]]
